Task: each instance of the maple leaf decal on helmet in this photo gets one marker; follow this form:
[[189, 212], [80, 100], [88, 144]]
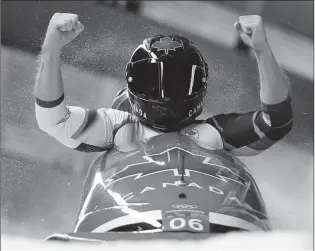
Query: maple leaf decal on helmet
[[166, 44]]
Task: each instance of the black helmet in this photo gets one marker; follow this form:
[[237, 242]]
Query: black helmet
[[167, 82]]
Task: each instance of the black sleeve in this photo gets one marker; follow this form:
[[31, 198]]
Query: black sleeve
[[253, 132]]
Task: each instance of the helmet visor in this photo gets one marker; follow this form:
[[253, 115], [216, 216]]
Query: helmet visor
[[165, 80]]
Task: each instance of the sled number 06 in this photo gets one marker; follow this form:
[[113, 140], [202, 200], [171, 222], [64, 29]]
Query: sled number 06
[[180, 223]]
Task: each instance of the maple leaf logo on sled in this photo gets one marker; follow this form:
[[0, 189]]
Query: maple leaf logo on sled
[[166, 44]]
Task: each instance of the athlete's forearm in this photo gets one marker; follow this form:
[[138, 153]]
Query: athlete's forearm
[[274, 85], [49, 84]]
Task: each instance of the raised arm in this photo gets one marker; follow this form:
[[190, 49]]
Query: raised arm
[[62, 29], [75, 127], [254, 132], [274, 85]]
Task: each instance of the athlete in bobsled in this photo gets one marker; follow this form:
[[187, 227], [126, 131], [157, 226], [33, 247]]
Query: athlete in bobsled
[[162, 169]]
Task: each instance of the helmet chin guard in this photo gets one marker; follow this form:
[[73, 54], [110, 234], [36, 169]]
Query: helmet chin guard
[[164, 115], [167, 82]]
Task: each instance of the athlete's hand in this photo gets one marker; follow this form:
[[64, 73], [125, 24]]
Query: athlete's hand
[[252, 32], [62, 29]]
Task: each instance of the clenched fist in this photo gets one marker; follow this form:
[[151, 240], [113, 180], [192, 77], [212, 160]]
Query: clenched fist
[[62, 29], [252, 32]]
